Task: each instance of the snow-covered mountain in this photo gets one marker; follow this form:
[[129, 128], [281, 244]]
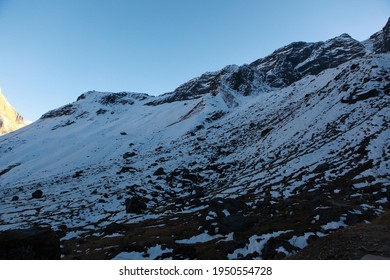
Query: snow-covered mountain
[[10, 119], [252, 161]]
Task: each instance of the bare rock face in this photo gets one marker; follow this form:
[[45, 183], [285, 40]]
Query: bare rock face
[[10, 120], [30, 244], [380, 41]]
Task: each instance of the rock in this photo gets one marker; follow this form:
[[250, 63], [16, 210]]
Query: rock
[[117, 98], [352, 219], [101, 112], [37, 194], [352, 99], [127, 169], [78, 174], [66, 110], [30, 244], [160, 171], [233, 206], [129, 155], [321, 168], [15, 198], [114, 227], [135, 205], [328, 214], [266, 131], [192, 177], [236, 223]]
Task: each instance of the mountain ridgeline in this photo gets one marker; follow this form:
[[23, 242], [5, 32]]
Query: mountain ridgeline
[[250, 162]]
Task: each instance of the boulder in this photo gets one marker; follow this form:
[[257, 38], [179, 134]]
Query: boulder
[[37, 194], [129, 155], [236, 223], [135, 205], [192, 177], [233, 206], [266, 131], [327, 215], [321, 168], [160, 171], [30, 244]]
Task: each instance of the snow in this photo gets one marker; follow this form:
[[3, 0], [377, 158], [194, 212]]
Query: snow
[[281, 249], [256, 244], [151, 254], [201, 238], [113, 235], [211, 215], [335, 224], [72, 234], [382, 200], [226, 212], [229, 237], [300, 241]]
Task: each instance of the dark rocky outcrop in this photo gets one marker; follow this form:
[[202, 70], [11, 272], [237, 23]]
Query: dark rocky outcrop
[[66, 110], [321, 168], [116, 98], [129, 155], [37, 194], [160, 171], [30, 244], [135, 205]]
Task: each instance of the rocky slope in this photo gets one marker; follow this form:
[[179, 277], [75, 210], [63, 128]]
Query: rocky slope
[[361, 241], [252, 161], [10, 120]]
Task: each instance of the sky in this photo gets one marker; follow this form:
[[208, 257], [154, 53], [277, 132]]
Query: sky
[[51, 51]]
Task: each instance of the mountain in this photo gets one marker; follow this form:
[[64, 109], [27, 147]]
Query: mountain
[[252, 161], [10, 120]]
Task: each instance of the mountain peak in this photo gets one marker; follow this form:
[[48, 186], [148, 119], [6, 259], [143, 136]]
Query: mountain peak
[[10, 119], [380, 41]]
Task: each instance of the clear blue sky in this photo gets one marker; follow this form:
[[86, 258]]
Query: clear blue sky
[[51, 51]]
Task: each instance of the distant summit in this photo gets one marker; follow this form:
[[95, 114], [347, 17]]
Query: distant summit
[[10, 119]]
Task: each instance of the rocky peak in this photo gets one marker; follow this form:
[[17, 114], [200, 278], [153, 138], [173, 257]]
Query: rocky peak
[[296, 60], [380, 41], [10, 119], [277, 70]]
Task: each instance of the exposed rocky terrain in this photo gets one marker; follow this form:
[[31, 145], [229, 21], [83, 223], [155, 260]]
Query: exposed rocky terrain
[[361, 241], [249, 162], [10, 119]]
